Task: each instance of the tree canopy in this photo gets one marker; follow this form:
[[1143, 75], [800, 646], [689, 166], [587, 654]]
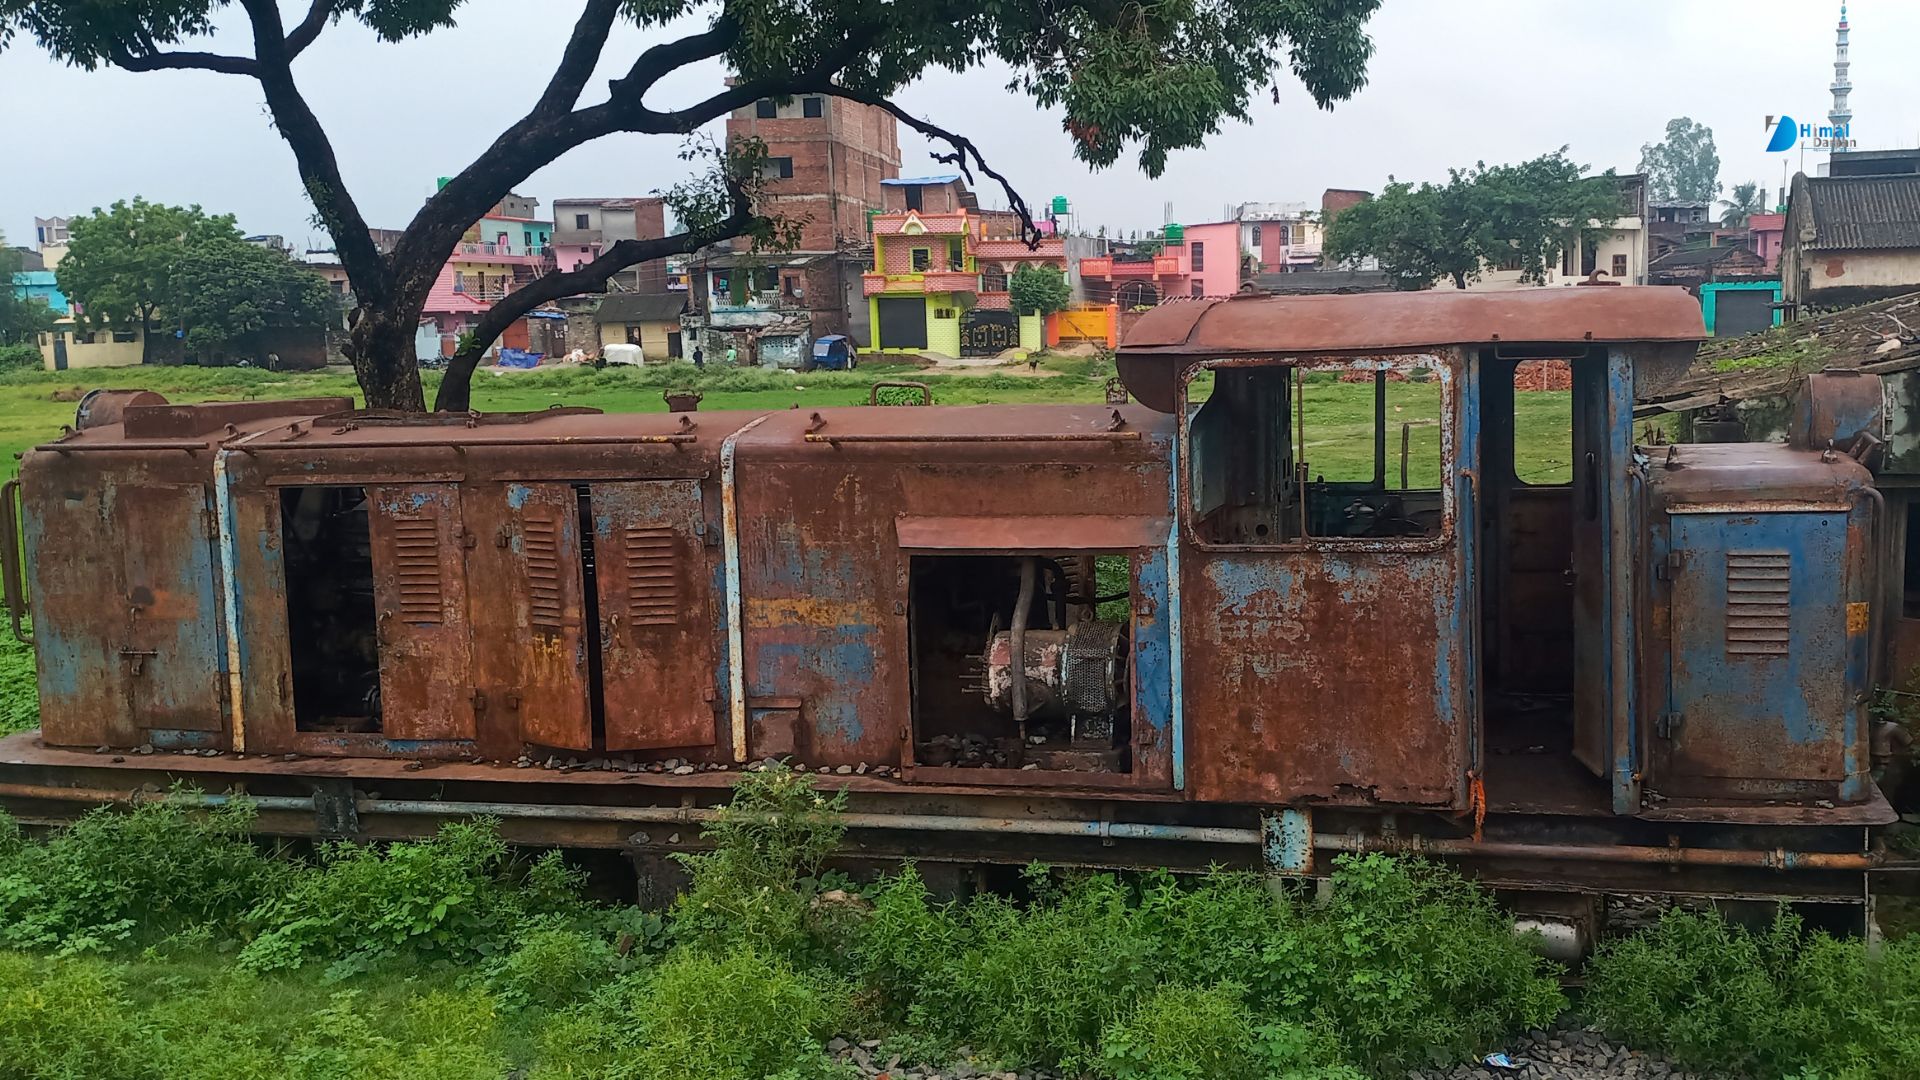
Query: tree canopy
[[1128, 78], [1742, 203], [1684, 166], [121, 261], [1519, 217], [226, 292], [1041, 289]]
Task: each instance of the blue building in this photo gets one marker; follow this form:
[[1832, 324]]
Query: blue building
[[40, 285]]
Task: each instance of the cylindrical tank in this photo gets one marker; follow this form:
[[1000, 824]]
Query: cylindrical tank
[[1079, 671], [102, 407]]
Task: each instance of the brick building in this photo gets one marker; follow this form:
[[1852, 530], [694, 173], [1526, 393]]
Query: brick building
[[826, 158], [583, 229]]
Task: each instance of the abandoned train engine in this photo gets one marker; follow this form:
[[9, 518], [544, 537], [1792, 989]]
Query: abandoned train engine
[[1196, 618]]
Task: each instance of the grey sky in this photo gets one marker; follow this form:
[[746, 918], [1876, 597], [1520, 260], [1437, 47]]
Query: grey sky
[[1452, 81]]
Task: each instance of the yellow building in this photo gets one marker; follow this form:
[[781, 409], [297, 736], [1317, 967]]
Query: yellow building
[[649, 320], [931, 268], [70, 345]]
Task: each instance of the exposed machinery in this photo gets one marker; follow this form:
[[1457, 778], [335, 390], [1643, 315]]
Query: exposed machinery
[[1179, 632]]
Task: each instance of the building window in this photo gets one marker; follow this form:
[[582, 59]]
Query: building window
[[812, 106], [1619, 267], [1255, 241], [765, 109], [921, 259], [124, 336], [527, 239], [339, 287], [1199, 289], [943, 313], [1511, 262], [914, 197], [780, 168], [460, 281], [1199, 253], [580, 221]]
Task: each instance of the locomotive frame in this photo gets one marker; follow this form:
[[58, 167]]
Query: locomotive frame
[[1650, 680]]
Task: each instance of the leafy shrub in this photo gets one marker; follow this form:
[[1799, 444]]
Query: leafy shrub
[[67, 1020], [25, 357], [1408, 961], [453, 897], [1183, 1033], [440, 1034], [19, 690], [739, 1016], [150, 871], [759, 884], [1777, 1001], [551, 967]]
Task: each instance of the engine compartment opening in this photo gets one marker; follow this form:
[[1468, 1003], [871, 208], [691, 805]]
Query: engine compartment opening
[[332, 635], [1022, 662]]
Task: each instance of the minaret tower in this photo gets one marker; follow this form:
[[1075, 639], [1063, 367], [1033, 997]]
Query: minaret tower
[[1841, 115]]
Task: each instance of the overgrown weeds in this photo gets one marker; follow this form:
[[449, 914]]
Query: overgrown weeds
[[115, 877], [456, 897], [1774, 1002]]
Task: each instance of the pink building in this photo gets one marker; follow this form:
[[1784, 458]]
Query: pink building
[[1767, 233], [1205, 261]]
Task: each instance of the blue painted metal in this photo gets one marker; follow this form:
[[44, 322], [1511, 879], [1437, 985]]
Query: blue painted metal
[[1176, 664], [1286, 841], [233, 654], [1620, 532], [736, 666]]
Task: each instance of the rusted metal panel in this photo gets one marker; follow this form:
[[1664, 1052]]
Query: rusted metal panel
[[1384, 322], [656, 621], [420, 588], [125, 607], [1834, 408], [1758, 645], [1036, 532], [529, 623], [172, 655]]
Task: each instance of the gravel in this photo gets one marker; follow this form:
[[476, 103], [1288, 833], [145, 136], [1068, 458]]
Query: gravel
[[1565, 1053]]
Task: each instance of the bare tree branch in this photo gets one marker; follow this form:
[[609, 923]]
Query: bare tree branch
[[313, 152], [964, 152], [128, 60], [579, 59], [655, 63], [454, 394], [309, 28]]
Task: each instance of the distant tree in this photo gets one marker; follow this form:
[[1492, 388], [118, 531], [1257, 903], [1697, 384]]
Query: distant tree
[[1041, 289], [121, 262], [21, 319], [1742, 204], [1153, 78], [1683, 167], [1502, 215], [226, 291]]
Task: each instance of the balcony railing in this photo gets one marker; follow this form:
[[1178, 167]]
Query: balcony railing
[[930, 281], [1109, 267], [493, 249]]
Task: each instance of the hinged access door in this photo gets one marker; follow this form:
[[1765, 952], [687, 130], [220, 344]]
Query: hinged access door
[[420, 592], [530, 625], [1758, 646], [656, 622], [170, 652]]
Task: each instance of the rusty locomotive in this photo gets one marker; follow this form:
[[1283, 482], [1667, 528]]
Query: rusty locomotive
[[1159, 633]]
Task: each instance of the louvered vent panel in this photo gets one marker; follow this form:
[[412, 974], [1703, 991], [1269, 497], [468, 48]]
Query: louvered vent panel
[[416, 560], [653, 576], [1759, 603], [543, 573]]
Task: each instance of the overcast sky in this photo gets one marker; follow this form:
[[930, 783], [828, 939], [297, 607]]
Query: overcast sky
[[1451, 82]]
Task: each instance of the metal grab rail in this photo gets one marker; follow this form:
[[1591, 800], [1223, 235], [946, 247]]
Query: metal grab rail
[[12, 581]]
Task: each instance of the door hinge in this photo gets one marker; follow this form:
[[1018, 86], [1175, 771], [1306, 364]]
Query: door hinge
[[1667, 725], [468, 540], [1669, 567]]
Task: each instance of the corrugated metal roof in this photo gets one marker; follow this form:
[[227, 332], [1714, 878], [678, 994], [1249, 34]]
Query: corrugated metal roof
[[641, 307], [1855, 212]]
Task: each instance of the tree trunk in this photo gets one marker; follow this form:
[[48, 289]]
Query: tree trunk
[[456, 384], [381, 348], [1459, 280]]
